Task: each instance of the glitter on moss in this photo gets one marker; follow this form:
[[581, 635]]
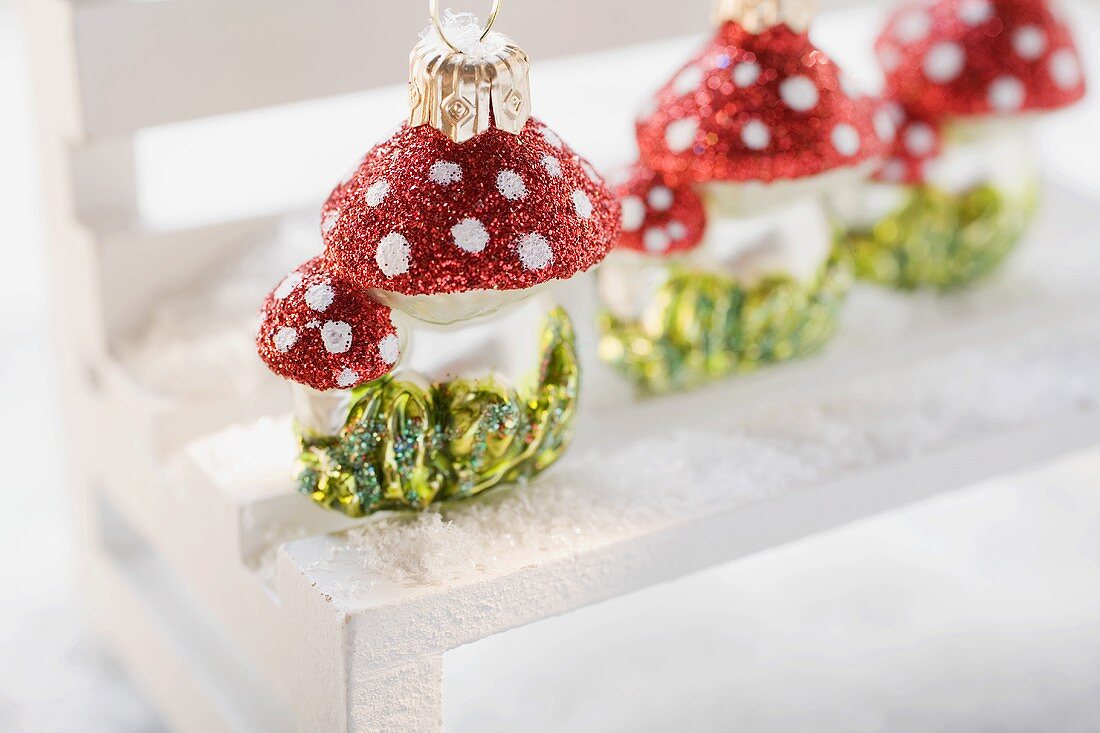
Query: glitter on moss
[[405, 445], [943, 241], [703, 326]]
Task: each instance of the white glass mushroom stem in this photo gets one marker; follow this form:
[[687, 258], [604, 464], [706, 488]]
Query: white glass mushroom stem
[[504, 343], [992, 152], [320, 414], [792, 240], [750, 198], [975, 154], [446, 309]]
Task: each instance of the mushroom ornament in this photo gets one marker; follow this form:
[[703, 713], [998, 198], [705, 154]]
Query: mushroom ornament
[[754, 129], [969, 75], [431, 359]]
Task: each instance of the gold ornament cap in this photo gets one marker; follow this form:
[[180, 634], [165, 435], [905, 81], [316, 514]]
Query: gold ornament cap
[[757, 16], [464, 79]]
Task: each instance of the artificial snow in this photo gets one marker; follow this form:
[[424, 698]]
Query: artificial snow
[[703, 464]]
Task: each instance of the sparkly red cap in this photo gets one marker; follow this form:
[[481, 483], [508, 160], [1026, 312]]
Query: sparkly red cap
[[756, 107], [917, 141], [424, 215], [322, 331], [958, 58], [659, 218]]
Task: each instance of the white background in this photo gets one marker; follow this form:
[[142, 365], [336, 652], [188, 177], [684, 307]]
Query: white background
[[976, 612]]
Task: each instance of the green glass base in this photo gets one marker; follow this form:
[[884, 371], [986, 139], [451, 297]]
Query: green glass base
[[702, 326], [405, 446], [942, 241]]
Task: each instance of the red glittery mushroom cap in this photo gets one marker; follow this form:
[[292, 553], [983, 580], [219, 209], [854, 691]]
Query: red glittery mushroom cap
[[958, 58], [756, 107], [322, 331], [425, 215], [917, 141], [659, 218]]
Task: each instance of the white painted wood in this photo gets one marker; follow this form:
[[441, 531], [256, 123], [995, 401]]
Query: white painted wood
[[234, 593], [150, 63]]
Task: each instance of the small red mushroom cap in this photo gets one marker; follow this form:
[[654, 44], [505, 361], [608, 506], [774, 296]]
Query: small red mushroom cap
[[960, 58], [916, 141], [322, 331], [757, 107], [659, 218], [424, 215]]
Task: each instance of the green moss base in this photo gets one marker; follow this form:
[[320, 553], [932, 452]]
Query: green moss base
[[702, 326], [405, 446], [942, 241]]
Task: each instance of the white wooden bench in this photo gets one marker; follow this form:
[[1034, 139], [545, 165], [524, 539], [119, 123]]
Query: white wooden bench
[[237, 606]]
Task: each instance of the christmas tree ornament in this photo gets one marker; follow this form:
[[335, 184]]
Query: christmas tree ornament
[[970, 75], [431, 359], [753, 131]]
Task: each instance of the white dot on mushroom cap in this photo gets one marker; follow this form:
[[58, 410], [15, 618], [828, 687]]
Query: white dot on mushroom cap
[[285, 338], [445, 173], [336, 336], [551, 137], [975, 12], [799, 93], [319, 297], [510, 185], [633, 213], [328, 223], [677, 230], [845, 139], [944, 62], [688, 80], [656, 240], [377, 193], [849, 86], [660, 198], [392, 256], [756, 135], [582, 204], [552, 166], [286, 287], [389, 349], [1030, 42], [920, 139], [1006, 94], [746, 73], [535, 252], [1065, 69], [889, 57], [912, 26], [347, 378], [680, 135], [470, 235], [884, 125]]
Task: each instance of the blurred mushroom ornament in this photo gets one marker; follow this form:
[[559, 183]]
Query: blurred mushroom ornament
[[727, 260], [431, 359], [959, 190]]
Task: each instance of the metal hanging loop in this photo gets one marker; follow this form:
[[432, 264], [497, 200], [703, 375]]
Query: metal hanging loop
[[433, 6]]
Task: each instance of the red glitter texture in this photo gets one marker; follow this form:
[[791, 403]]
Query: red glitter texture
[[302, 305], [1019, 44], [918, 141], [562, 201], [674, 220], [799, 143]]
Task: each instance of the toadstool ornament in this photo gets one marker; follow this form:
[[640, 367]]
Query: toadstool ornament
[[974, 73], [759, 124], [442, 365]]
